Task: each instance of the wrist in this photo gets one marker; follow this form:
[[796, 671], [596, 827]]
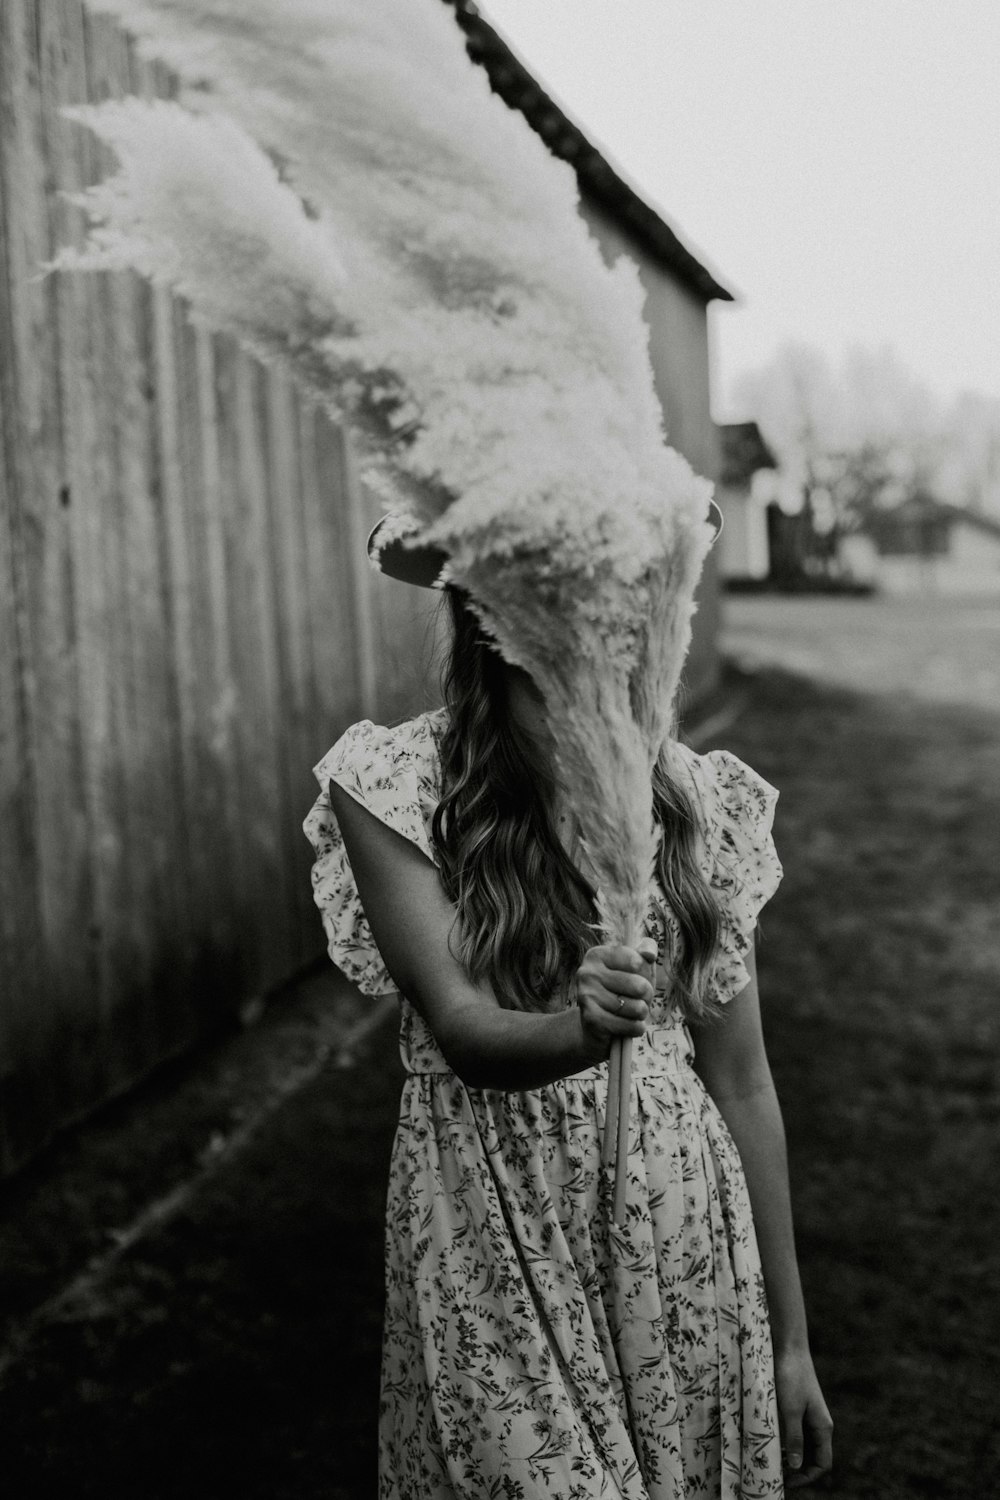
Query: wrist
[[791, 1346], [595, 1048]]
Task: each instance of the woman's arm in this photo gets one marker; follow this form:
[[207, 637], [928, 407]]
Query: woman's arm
[[412, 920], [732, 1063]]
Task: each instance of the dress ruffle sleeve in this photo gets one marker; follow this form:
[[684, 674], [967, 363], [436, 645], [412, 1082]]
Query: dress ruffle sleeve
[[744, 869], [383, 769]]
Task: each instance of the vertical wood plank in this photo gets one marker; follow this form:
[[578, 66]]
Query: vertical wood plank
[[403, 628], [82, 363], [288, 546], [358, 525], [156, 772], [332, 684], [201, 617], [158, 853], [195, 893], [21, 942], [124, 951], [266, 521], [38, 455], [331, 596], [230, 856], [254, 659]]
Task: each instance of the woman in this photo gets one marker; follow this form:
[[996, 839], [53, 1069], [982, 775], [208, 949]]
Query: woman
[[532, 1348]]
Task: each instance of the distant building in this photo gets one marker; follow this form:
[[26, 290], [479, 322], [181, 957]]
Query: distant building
[[678, 290], [743, 549], [927, 546]]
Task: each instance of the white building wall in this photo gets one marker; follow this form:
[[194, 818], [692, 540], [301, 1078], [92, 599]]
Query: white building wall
[[743, 548], [971, 566]]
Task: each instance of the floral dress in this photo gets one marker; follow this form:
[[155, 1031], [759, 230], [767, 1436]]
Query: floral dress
[[532, 1349]]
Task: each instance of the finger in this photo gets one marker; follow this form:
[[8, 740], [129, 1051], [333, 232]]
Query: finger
[[617, 1023], [813, 1465], [628, 1021], [622, 1009], [822, 1444], [633, 985], [618, 956], [622, 1026], [793, 1446]]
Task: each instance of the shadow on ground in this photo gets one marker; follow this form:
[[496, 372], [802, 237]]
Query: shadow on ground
[[234, 1349]]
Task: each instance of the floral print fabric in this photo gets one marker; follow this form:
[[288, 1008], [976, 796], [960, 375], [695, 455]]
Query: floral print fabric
[[531, 1347]]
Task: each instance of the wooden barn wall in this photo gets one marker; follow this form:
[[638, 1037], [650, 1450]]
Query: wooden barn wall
[[680, 354], [186, 624]]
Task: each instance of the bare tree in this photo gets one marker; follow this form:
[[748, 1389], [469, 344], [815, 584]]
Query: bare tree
[[851, 442]]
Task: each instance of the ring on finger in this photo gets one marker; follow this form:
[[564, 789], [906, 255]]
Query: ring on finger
[[621, 1003]]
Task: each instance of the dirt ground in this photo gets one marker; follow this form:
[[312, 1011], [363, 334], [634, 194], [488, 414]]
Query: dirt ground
[[192, 1285]]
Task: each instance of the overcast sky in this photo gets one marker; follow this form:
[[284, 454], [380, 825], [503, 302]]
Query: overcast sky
[[835, 163]]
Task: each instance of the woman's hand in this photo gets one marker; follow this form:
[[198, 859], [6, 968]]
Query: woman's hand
[[613, 987], [806, 1428]]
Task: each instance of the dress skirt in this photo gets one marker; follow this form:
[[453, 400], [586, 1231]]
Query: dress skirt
[[534, 1349]]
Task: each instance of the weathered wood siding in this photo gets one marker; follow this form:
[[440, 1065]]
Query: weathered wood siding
[[186, 624], [186, 619], [680, 354]]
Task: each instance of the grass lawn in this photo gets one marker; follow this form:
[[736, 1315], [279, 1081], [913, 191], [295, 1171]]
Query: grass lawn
[[880, 978]]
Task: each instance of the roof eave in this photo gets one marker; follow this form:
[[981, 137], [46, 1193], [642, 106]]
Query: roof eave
[[599, 182]]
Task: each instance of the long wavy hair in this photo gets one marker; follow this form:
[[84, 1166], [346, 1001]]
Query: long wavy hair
[[526, 915]]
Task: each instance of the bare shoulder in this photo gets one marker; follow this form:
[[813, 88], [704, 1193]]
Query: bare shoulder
[[412, 919], [398, 884]]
